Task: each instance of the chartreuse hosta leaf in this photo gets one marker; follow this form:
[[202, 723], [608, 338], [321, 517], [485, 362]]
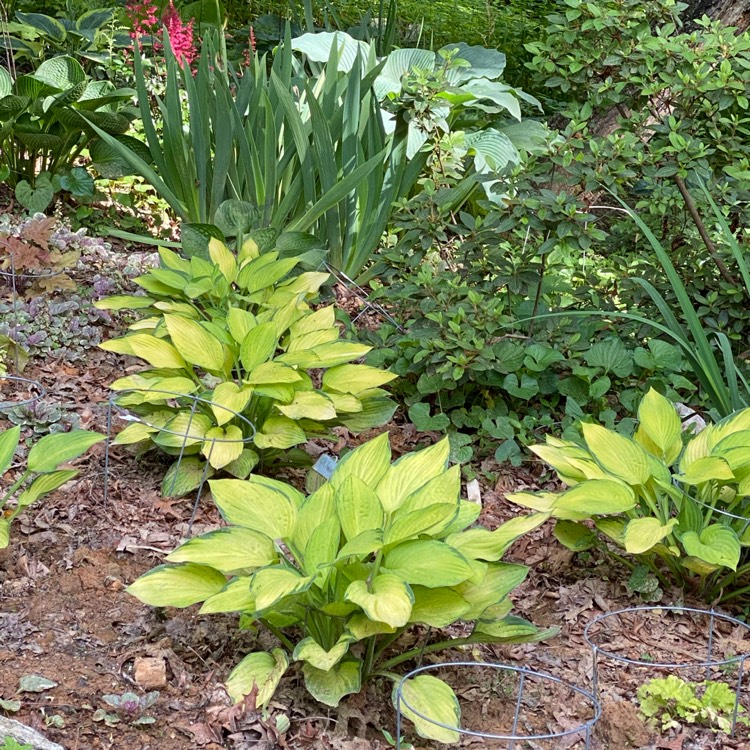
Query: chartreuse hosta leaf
[[227, 550], [194, 343], [575, 536], [428, 563], [437, 607], [482, 544], [355, 378], [257, 671], [387, 599], [53, 450], [594, 497], [330, 686], [310, 651], [659, 430], [269, 585], [8, 443], [279, 432], [233, 397], [641, 534], [717, 544], [234, 597], [616, 454], [707, 469], [358, 508], [177, 585], [369, 462], [428, 696]]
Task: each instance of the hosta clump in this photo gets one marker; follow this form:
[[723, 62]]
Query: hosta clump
[[42, 474], [238, 332], [340, 574], [659, 500]]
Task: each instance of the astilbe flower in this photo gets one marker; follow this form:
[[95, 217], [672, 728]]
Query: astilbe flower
[[180, 35], [143, 18]]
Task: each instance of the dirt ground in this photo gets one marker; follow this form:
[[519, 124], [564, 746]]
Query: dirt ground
[[64, 616]]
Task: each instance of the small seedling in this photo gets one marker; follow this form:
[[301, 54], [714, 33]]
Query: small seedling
[[392, 742], [11, 744], [128, 707]]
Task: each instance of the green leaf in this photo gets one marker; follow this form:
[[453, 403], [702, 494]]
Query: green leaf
[[437, 608], [270, 585], [428, 563], [330, 686], [279, 432], [310, 651], [177, 585], [78, 182], [48, 26], [45, 484], [258, 346], [499, 580], [707, 469], [368, 462], [574, 535], [388, 599], [611, 356], [355, 378], [594, 497], [234, 597], [659, 427], [35, 199], [258, 670], [482, 544], [434, 699], [53, 450], [8, 443], [617, 455], [4, 532], [227, 550], [194, 343], [358, 507], [717, 544], [641, 534]]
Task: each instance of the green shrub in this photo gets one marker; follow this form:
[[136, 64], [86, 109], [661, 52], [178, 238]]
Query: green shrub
[[340, 575]]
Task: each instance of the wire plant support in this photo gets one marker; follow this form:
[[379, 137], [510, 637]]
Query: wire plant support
[[582, 733], [36, 391], [184, 400], [709, 657]]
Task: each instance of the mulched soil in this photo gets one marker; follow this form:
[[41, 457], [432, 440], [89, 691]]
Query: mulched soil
[[64, 615]]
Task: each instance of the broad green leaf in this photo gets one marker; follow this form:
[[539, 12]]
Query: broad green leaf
[[594, 497], [4, 532], [157, 352], [309, 405], [227, 550], [240, 323], [272, 372], [433, 520], [53, 450], [614, 528], [221, 446], [361, 627], [279, 432], [660, 426], [124, 302], [258, 346], [574, 535], [43, 485], [358, 508], [362, 545], [717, 544], [369, 462], [616, 454], [185, 428], [641, 534], [224, 258], [316, 509], [428, 563], [434, 699], [183, 476], [482, 544], [257, 670], [329, 687], [509, 629], [254, 506], [437, 608], [444, 488], [234, 597], [322, 547], [310, 651], [388, 599], [499, 580], [410, 472], [269, 585], [231, 396], [8, 444], [177, 585], [355, 378], [540, 501], [194, 343]]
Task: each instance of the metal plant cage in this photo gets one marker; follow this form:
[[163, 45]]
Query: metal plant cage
[[517, 706], [17, 391], [192, 403], [714, 646]]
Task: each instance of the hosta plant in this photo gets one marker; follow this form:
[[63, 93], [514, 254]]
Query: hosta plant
[[42, 474], [339, 575], [671, 506], [238, 332]]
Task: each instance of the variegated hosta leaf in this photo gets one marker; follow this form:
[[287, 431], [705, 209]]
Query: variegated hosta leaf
[[437, 608], [228, 549], [717, 545], [594, 497], [368, 462], [435, 699], [310, 651], [222, 446], [309, 405], [444, 488], [388, 599], [361, 627], [194, 343], [433, 520], [355, 378], [428, 563], [234, 597], [641, 534], [279, 432], [616, 454], [258, 670], [660, 429], [330, 686], [482, 544], [358, 508], [707, 469], [234, 398], [499, 580], [270, 585], [177, 585]]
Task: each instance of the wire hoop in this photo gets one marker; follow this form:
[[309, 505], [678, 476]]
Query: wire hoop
[[705, 653], [193, 402], [31, 385], [524, 675]]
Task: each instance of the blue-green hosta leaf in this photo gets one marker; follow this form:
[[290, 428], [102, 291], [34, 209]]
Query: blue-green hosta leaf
[[270, 585], [437, 608], [53, 450], [410, 472], [261, 670], [388, 599], [229, 549], [482, 544], [254, 506], [484, 62], [641, 534], [234, 597], [617, 455], [330, 686], [717, 544], [492, 149], [6, 83], [62, 72], [428, 563], [594, 497], [177, 585], [660, 429], [310, 651], [530, 136], [433, 698], [48, 26], [317, 48], [398, 63]]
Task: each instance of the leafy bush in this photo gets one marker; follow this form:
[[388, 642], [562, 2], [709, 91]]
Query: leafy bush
[[238, 331], [653, 498], [42, 474], [377, 549]]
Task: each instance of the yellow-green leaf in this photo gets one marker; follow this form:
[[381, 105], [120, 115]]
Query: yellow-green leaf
[[717, 544], [369, 462], [258, 346], [661, 426], [43, 485], [257, 670], [195, 343], [310, 651], [234, 597], [224, 259], [428, 696], [309, 405], [177, 585], [222, 446], [270, 585], [227, 550], [428, 563], [330, 686], [234, 398], [355, 378], [594, 497], [482, 544], [279, 432], [437, 608], [388, 599], [616, 454], [641, 534], [707, 469], [358, 508], [272, 372], [53, 450]]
